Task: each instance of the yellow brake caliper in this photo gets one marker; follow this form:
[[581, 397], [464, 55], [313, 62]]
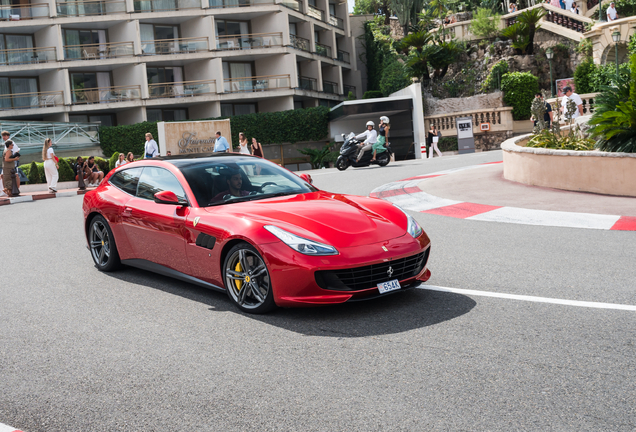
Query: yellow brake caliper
[[239, 269]]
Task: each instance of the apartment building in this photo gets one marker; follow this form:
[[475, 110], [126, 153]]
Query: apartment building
[[127, 61]]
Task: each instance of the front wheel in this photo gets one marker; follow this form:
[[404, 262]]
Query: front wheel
[[341, 163], [384, 158], [247, 279], [102, 245]]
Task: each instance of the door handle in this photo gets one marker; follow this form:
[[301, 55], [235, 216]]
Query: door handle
[[127, 211]]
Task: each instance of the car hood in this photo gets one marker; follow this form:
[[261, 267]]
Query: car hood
[[338, 220]]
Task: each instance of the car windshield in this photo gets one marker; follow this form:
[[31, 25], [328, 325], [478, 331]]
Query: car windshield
[[232, 179]]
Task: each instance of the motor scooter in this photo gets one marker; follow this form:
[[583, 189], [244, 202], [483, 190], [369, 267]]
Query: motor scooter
[[349, 153]]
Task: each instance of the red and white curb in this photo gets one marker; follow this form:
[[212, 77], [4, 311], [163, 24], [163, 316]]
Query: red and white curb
[[37, 197], [408, 195], [5, 428]]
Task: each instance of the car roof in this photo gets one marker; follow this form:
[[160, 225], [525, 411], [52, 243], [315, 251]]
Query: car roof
[[191, 159]]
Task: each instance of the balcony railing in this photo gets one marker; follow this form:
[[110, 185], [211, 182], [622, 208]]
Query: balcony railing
[[106, 94], [336, 22], [98, 51], [323, 50], [349, 89], [256, 84], [165, 5], [299, 43], [330, 87], [33, 55], [238, 3], [316, 13], [293, 4], [181, 89], [31, 100], [249, 41], [90, 8], [175, 46], [307, 83], [24, 11], [344, 56]]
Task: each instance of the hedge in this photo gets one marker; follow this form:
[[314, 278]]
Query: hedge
[[519, 89], [371, 94], [126, 138]]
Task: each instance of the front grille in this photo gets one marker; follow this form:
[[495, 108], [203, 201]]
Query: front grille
[[360, 278]]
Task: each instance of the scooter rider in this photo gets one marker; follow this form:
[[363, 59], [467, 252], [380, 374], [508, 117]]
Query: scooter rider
[[370, 135]]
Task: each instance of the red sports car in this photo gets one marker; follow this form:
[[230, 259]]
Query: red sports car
[[244, 225]]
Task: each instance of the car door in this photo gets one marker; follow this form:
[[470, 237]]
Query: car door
[[122, 188], [157, 231]]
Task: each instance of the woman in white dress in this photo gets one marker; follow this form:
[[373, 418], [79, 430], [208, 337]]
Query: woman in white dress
[[243, 147], [50, 165]]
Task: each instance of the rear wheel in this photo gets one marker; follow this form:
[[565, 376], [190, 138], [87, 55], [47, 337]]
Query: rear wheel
[[341, 163], [102, 245], [383, 158], [247, 279]]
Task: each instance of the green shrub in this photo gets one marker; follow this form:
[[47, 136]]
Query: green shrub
[[113, 160], [631, 46], [34, 173], [370, 94], [65, 171], [394, 77], [519, 89], [448, 144], [351, 96], [604, 75], [583, 76], [126, 138], [484, 23], [493, 82]]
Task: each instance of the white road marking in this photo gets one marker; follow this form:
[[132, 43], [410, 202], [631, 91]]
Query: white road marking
[[548, 218], [5, 428], [577, 303], [420, 201]]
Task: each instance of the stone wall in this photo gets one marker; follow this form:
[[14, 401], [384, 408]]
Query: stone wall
[[434, 106], [491, 140]]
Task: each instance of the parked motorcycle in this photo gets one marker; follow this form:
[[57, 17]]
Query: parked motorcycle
[[349, 153]]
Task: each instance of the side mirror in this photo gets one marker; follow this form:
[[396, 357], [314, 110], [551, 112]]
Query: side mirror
[[307, 178], [168, 197]]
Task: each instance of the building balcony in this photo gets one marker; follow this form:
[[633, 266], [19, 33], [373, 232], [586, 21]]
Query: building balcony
[[106, 94], [306, 83], [238, 3], [181, 89], [21, 56], [256, 84], [323, 50], [175, 46], [293, 4], [315, 13], [299, 43], [330, 87], [336, 22], [344, 56], [24, 11], [98, 51], [349, 89], [165, 5], [31, 100], [249, 41], [90, 8]]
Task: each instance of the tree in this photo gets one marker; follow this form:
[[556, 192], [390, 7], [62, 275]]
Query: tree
[[439, 9], [421, 49], [447, 55], [365, 7], [530, 19], [394, 77], [484, 24], [403, 10]]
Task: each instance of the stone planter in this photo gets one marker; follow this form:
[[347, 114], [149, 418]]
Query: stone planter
[[590, 171]]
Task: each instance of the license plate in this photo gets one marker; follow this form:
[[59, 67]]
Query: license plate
[[385, 287]]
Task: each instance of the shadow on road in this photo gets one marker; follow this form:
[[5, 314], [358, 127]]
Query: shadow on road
[[400, 312]]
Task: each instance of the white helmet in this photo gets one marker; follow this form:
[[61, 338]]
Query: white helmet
[[370, 123], [384, 119]]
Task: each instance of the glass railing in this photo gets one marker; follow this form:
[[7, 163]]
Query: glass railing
[[249, 41], [24, 11], [31, 100], [256, 84], [299, 43], [165, 5], [316, 13], [323, 50], [293, 4], [98, 51], [344, 56], [181, 89], [91, 7], [105, 94], [18, 56], [307, 83], [330, 87], [336, 22], [174, 46], [238, 3], [349, 89]]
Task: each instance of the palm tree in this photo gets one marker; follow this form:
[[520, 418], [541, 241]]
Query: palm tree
[[420, 51], [530, 18], [448, 54]]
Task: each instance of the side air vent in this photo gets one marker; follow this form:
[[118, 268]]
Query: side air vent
[[205, 241]]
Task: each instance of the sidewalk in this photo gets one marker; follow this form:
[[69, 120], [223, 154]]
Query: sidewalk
[[40, 195]]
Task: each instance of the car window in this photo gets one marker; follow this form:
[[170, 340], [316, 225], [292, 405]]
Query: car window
[[127, 180], [155, 180]]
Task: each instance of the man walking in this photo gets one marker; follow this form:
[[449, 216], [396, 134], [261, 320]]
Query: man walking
[[151, 148], [548, 114], [611, 12], [221, 145], [576, 99]]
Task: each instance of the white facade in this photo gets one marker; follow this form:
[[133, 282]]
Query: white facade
[[127, 61]]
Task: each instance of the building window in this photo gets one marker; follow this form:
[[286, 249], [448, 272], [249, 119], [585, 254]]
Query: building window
[[232, 28], [84, 43], [158, 39], [23, 43], [166, 114], [89, 87], [158, 6], [229, 110], [236, 77], [10, 86], [161, 75]]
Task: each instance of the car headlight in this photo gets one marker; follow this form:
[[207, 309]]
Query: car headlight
[[299, 244], [413, 227]]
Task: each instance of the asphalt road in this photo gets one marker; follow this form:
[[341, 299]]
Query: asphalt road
[[132, 351]]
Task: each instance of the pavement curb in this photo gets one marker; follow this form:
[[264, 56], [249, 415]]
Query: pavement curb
[[407, 194], [7, 428], [37, 197]]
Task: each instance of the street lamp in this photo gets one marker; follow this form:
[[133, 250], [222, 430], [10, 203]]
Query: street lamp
[[601, 18], [616, 37], [549, 54]]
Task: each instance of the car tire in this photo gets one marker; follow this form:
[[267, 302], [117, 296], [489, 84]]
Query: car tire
[[384, 159], [250, 290], [341, 163], [102, 245]]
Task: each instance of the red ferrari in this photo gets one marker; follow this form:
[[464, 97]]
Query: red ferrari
[[246, 226]]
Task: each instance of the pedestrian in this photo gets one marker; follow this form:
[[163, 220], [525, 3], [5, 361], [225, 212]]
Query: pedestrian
[[547, 115], [577, 100], [95, 175], [512, 8], [50, 165], [80, 174], [15, 149], [151, 149], [612, 15], [8, 168], [434, 135], [121, 161], [257, 149], [568, 4], [221, 145], [130, 157], [243, 147], [574, 9], [168, 153]]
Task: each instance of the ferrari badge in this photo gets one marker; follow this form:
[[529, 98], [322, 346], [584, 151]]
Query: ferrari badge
[[384, 249], [196, 220]]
